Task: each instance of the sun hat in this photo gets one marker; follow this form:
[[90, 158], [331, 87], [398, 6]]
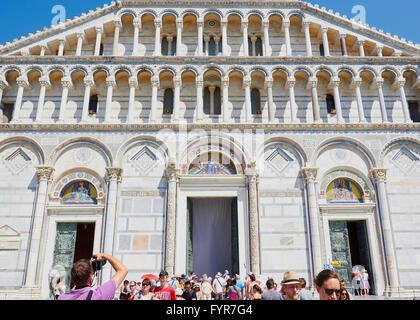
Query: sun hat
[[218, 274], [290, 277]]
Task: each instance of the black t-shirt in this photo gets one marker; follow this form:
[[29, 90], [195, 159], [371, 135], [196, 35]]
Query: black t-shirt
[[189, 295]]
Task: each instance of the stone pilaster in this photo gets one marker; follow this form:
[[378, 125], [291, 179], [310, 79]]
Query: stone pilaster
[[254, 232]]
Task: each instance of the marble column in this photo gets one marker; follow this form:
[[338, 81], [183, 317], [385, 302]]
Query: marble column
[[66, 84], [89, 83], [170, 39], [253, 40], [254, 232], [80, 38], [286, 26], [358, 83], [379, 83], [206, 45], [133, 85], [290, 83], [44, 48], [177, 100], [225, 85], [32, 279], [343, 44], [271, 105], [137, 27], [325, 41], [211, 90], [99, 33], [179, 24], [379, 176], [313, 82], [337, 100], [406, 110], [61, 47], [110, 85], [155, 87], [172, 176], [116, 43], [199, 85], [216, 42], [248, 106], [22, 83], [200, 25], [361, 44], [267, 48], [310, 174], [245, 38], [158, 26], [379, 50], [308, 43], [3, 85], [45, 83], [224, 37], [114, 176]]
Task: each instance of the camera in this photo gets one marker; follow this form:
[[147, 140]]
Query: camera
[[97, 265]]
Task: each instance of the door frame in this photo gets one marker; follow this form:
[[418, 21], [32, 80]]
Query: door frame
[[67, 215], [355, 212], [212, 187]]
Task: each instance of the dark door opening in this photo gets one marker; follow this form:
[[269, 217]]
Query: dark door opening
[[350, 247], [212, 236], [74, 241]]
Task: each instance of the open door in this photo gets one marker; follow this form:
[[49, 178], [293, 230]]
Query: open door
[[190, 228], [235, 241]]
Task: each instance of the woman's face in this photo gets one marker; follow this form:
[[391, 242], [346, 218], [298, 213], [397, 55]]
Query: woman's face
[[330, 290], [145, 287]]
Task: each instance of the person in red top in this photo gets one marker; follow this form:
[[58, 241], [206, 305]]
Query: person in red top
[[165, 291]]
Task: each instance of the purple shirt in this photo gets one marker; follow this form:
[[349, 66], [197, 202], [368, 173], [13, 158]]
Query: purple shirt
[[104, 292]]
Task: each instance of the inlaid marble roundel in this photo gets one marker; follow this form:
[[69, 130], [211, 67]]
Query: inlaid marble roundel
[[82, 156]]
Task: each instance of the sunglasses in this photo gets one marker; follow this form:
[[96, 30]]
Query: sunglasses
[[331, 291], [143, 285]]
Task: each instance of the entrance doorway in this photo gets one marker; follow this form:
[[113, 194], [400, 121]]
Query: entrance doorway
[[350, 247], [212, 236], [74, 241]]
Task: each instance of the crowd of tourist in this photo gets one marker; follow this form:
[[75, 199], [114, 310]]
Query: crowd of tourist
[[191, 287], [226, 287]]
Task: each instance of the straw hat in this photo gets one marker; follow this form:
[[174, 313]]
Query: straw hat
[[290, 277]]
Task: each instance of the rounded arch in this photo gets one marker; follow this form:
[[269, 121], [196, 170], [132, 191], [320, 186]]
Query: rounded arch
[[275, 13], [33, 68], [101, 68], [255, 12], [96, 144], [347, 69], [56, 68], [148, 11], [412, 68], [238, 69], [7, 69], [296, 147], [230, 147], [280, 69], [144, 68], [190, 11], [259, 69], [325, 69], [143, 139], [33, 145], [302, 69], [215, 68], [168, 11], [345, 141], [121, 68], [78, 68], [398, 141], [390, 69], [296, 13], [367, 69], [124, 12], [189, 68], [167, 68], [213, 11], [66, 178]]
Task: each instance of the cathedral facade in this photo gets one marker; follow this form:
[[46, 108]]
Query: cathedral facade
[[199, 136]]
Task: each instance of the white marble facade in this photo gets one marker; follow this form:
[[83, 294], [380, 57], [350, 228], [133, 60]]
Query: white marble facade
[[137, 156]]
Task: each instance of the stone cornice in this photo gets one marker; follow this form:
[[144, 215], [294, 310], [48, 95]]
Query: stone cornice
[[8, 127], [66, 60]]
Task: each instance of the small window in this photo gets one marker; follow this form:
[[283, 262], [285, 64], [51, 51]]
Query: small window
[[101, 49], [165, 46], [414, 108], [321, 50], [258, 47], [330, 104], [220, 46], [93, 104], [173, 47], [249, 47], [168, 101], [7, 112], [212, 47], [217, 107], [255, 101]]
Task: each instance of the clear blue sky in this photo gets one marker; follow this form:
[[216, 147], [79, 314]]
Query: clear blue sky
[[20, 17]]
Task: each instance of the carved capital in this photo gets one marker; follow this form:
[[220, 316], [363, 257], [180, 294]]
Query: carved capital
[[66, 82], [357, 81], [313, 82], [309, 174], [158, 24], [172, 173], [401, 82], [99, 29], [155, 82], [379, 82], [45, 81], [379, 174], [44, 173], [110, 82], [81, 35], [306, 24], [22, 81], [290, 82], [244, 25], [114, 173], [335, 81], [286, 24], [269, 82], [137, 23], [225, 82], [89, 81], [177, 82], [179, 23], [247, 82], [200, 23], [132, 82], [118, 24]]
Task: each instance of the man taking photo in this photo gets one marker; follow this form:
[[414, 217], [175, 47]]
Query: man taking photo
[[82, 275]]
